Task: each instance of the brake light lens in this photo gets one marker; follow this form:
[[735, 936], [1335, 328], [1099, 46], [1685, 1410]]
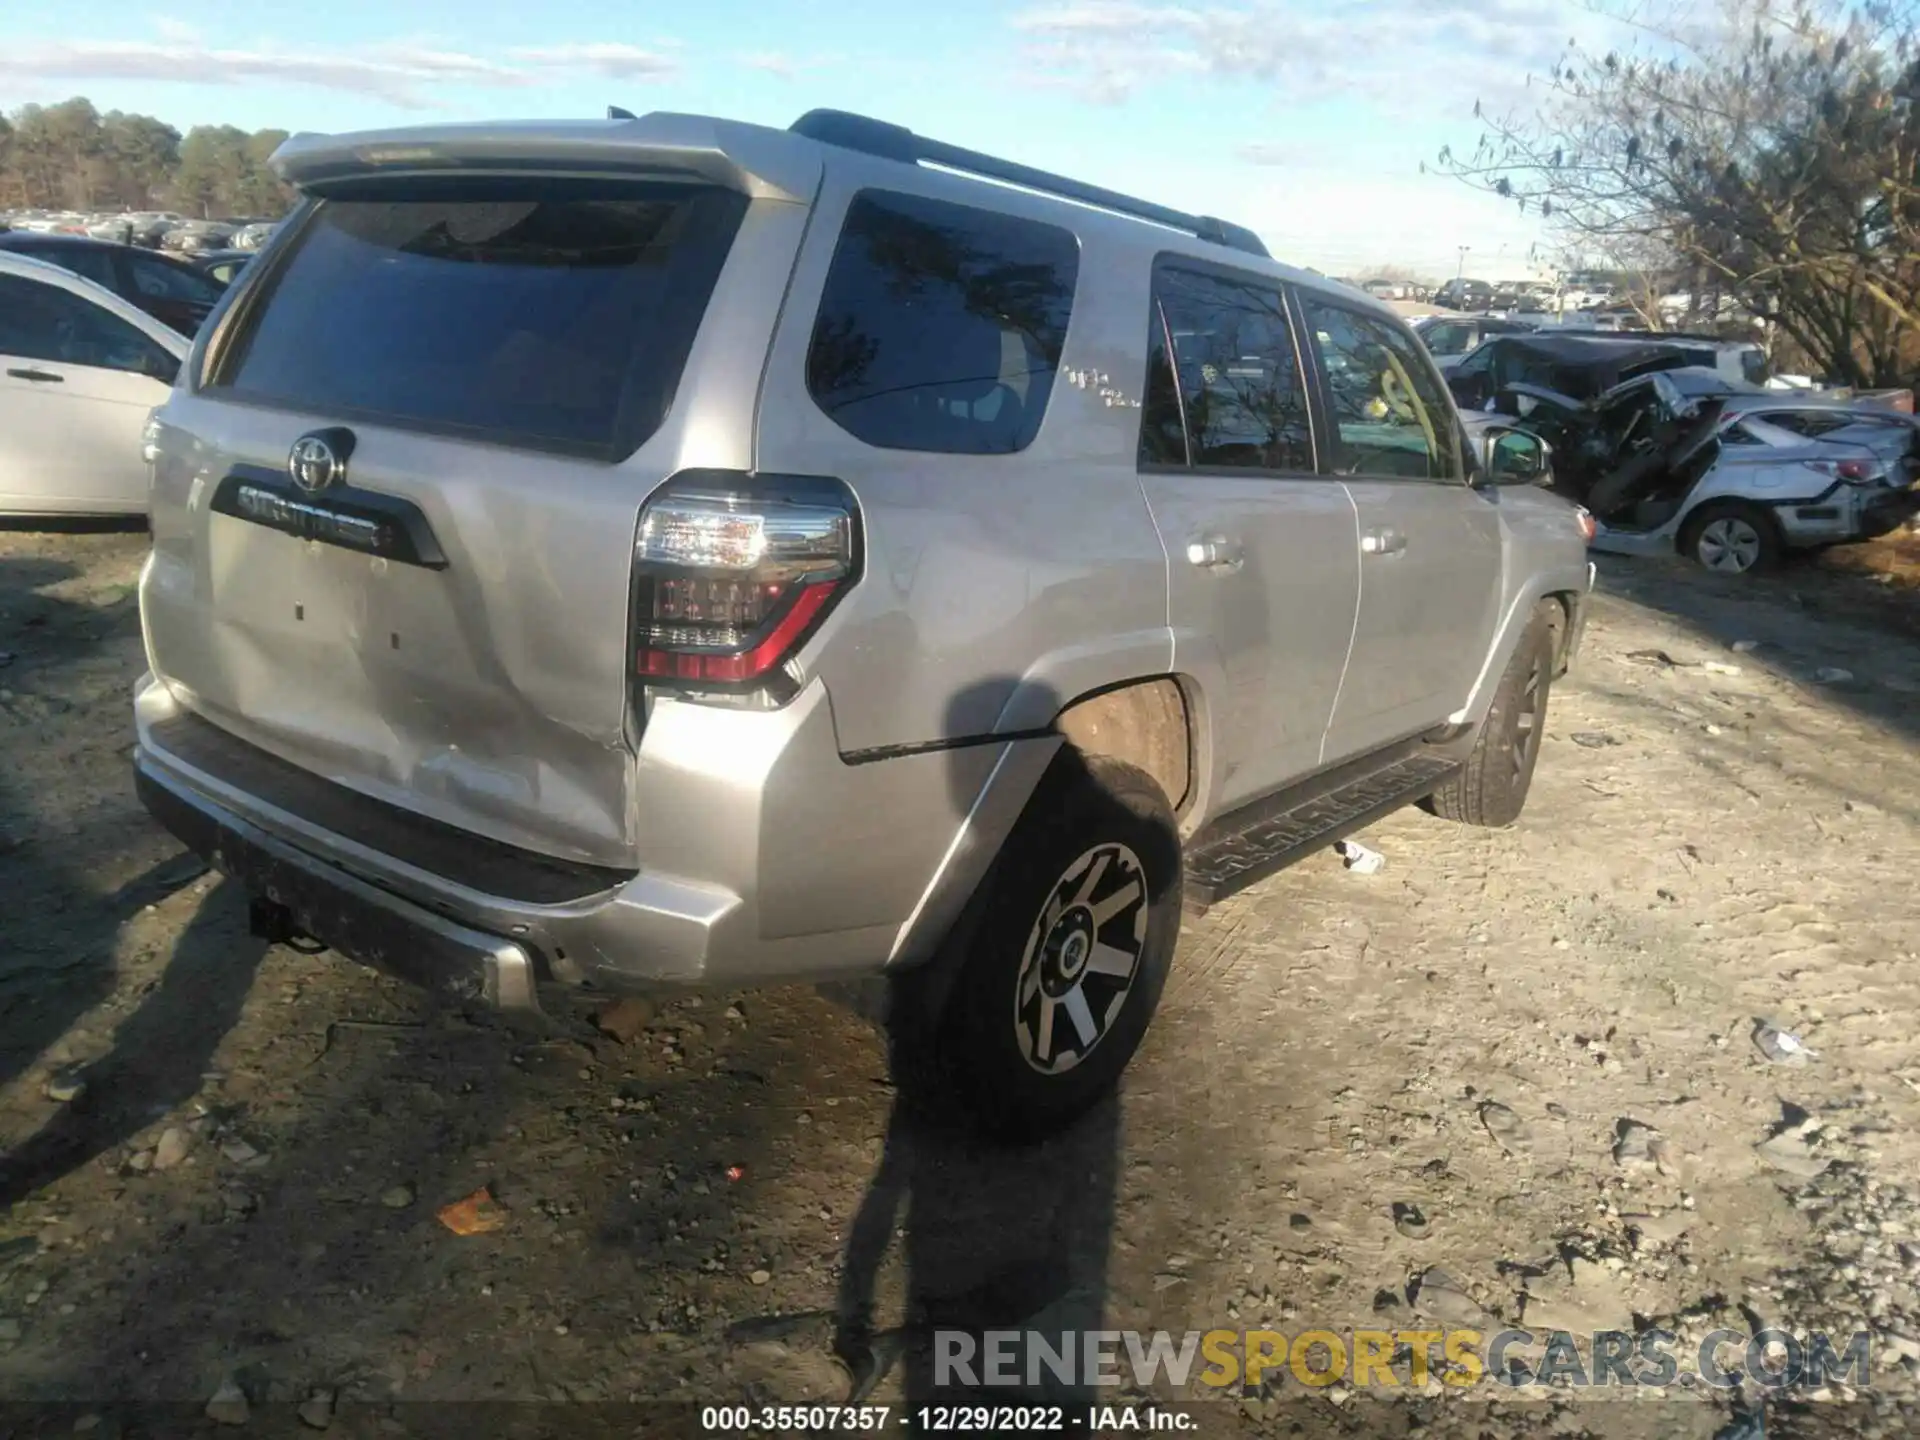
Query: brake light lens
[[1854, 472], [733, 573]]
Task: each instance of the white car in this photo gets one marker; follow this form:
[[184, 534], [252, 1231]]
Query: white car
[[80, 370]]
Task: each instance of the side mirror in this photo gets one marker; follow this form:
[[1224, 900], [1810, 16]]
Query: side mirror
[[1515, 458]]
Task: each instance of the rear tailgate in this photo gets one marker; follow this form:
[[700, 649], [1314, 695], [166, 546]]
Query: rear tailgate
[[492, 364]]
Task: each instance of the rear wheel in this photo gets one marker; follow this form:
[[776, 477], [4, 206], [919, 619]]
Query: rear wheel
[[1732, 537], [1491, 788], [1064, 970]]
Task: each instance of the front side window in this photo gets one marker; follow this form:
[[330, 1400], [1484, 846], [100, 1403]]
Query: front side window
[[546, 314], [1235, 373], [39, 321], [941, 326], [157, 280], [1390, 415]]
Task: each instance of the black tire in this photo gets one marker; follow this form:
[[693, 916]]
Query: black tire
[[1703, 539], [1491, 788], [1011, 1038]]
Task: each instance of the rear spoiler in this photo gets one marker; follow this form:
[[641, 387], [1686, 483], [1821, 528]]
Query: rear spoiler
[[764, 164]]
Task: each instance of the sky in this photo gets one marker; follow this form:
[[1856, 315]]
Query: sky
[[1306, 121]]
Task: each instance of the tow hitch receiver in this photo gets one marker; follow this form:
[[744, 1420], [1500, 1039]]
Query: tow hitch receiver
[[271, 921]]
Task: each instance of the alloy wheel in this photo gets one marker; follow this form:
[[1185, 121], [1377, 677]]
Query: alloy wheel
[[1730, 544], [1526, 717], [1082, 957]]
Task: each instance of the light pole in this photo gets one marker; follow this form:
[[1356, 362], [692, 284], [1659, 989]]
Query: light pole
[[1462, 268]]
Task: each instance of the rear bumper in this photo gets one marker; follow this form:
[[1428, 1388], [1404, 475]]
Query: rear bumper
[[1887, 511], [357, 919], [767, 858], [1845, 513]]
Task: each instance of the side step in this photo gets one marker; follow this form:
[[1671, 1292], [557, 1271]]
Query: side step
[[1267, 836]]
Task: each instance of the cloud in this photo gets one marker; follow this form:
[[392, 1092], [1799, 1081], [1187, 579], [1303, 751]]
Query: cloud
[[773, 63], [400, 73], [1273, 152], [1112, 49], [615, 61], [178, 31]]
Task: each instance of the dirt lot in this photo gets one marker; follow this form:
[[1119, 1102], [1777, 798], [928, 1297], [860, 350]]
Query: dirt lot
[[1893, 561], [732, 1208]]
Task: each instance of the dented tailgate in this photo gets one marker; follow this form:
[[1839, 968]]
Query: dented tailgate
[[394, 521]]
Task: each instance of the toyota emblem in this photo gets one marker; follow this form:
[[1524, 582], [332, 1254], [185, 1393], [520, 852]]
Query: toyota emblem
[[319, 459]]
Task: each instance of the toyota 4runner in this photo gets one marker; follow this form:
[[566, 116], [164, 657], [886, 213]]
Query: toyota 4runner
[[662, 551]]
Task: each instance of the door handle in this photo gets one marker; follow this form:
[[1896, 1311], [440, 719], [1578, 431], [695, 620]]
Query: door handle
[[1382, 542], [42, 376], [1213, 553]]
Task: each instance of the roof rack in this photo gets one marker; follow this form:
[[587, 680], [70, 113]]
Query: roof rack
[[896, 142]]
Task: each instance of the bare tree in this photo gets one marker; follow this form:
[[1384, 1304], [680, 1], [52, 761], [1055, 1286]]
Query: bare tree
[[1769, 151]]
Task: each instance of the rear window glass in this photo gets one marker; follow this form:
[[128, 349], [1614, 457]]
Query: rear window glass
[[941, 325], [549, 314]]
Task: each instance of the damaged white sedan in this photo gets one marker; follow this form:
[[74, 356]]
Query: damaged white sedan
[[1731, 475]]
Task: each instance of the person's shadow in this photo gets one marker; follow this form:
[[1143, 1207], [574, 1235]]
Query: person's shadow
[[995, 1237], [160, 1051]]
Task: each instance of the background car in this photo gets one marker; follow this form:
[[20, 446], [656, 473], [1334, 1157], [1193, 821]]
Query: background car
[[80, 371], [154, 227], [193, 236], [117, 228], [170, 290], [1474, 296], [1729, 474], [252, 236], [1581, 365], [1450, 337]]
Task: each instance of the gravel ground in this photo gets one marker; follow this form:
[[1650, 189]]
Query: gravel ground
[[223, 1161]]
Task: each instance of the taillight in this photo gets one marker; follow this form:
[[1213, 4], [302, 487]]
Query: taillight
[[1854, 472], [733, 573]]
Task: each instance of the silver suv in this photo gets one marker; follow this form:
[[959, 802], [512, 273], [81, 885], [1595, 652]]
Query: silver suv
[[665, 551]]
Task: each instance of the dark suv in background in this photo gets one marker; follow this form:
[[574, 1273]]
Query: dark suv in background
[[1468, 295]]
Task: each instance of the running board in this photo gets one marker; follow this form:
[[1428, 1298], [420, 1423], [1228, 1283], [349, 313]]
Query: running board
[[1265, 837]]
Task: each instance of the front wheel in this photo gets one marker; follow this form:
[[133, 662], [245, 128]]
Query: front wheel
[[1732, 537], [1491, 788], [1065, 969]]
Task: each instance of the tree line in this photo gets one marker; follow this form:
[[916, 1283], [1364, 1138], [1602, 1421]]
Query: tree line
[[71, 157], [1767, 151]]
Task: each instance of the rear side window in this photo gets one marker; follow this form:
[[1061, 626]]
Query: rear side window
[[550, 314], [83, 260], [941, 325], [44, 322], [1232, 377], [1448, 337]]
